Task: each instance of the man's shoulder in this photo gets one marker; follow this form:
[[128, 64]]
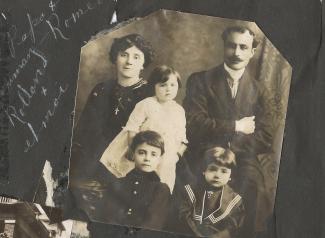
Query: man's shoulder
[[257, 86], [206, 74]]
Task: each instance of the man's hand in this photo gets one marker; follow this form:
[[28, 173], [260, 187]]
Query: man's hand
[[246, 125]]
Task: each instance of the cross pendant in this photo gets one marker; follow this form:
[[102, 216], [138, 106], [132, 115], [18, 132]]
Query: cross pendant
[[116, 110]]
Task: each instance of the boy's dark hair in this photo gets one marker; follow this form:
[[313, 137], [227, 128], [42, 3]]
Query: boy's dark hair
[[150, 137], [161, 74], [125, 42], [240, 29], [220, 156]]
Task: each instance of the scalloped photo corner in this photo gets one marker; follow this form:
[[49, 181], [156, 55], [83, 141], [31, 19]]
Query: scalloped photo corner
[[179, 123]]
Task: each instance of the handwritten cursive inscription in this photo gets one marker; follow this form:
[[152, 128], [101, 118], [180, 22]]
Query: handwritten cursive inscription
[[52, 22], [16, 117], [48, 115], [28, 46], [23, 63]]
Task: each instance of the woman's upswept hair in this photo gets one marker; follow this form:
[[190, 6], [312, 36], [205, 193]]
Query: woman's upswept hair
[[125, 42]]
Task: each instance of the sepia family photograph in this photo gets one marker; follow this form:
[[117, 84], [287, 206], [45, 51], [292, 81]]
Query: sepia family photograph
[[178, 126]]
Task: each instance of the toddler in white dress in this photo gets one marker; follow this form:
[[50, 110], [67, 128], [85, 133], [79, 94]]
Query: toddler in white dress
[[159, 113]]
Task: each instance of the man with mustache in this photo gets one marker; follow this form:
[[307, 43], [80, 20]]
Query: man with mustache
[[227, 106]]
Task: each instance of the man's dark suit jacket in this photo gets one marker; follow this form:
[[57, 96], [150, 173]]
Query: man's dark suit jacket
[[211, 112]]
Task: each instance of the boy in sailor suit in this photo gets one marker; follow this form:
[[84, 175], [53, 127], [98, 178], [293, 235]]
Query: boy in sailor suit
[[212, 208]]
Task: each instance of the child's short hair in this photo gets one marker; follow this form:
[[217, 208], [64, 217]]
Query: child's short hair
[[150, 137], [161, 74], [126, 42], [220, 156]]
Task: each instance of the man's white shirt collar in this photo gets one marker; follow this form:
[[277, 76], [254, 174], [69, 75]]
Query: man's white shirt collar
[[234, 74]]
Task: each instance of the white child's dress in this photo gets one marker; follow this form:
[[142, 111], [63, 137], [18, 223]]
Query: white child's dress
[[168, 120]]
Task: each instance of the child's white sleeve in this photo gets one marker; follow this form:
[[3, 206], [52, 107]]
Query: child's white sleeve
[[137, 117], [182, 126]]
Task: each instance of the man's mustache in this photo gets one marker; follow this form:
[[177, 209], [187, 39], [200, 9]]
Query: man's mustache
[[235, 58]]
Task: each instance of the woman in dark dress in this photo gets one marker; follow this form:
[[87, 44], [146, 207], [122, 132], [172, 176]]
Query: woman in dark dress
[[107, 109]]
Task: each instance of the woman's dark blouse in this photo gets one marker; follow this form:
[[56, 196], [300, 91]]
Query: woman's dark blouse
[[139, 199], [107, 110]]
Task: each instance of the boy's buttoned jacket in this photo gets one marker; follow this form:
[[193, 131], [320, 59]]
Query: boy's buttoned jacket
[[224, 221], [139, 199]]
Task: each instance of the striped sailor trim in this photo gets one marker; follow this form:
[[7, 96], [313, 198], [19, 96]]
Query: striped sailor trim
[[230, 206], [197, 217], [190, 192]]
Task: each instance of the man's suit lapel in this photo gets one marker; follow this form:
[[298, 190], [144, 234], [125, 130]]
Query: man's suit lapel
[[220, 87], [243, 91]]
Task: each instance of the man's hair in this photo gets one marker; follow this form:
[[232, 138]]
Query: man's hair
[[126, 42], [240, 29], [161, 75], [150, 137], [220, 156]]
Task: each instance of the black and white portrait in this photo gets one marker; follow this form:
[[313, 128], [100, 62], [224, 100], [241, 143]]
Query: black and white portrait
[[179, 122]]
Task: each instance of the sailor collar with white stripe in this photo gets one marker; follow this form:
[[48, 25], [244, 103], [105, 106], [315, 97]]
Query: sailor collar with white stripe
[[225, 207]]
